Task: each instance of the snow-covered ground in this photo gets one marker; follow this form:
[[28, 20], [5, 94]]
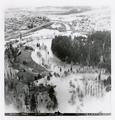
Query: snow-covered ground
[[11, 108], [71, 91], [68, 98], [95, 19]]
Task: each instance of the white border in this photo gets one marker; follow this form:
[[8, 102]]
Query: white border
[[35, 3]]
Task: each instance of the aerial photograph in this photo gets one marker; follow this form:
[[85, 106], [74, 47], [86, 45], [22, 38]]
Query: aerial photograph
[[57, 61]]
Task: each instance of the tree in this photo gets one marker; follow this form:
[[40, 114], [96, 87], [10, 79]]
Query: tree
[[85, 51]]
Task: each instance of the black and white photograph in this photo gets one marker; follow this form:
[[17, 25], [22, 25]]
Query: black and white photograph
[[57, 60]]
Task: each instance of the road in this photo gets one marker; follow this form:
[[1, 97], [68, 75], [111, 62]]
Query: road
[[28, 31]]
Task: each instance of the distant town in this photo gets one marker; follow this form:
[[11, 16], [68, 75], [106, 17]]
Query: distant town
[[57, 61]]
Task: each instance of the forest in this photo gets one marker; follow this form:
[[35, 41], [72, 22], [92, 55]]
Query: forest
[[93, 50]]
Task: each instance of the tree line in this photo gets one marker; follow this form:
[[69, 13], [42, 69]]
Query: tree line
[[94, 50]]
